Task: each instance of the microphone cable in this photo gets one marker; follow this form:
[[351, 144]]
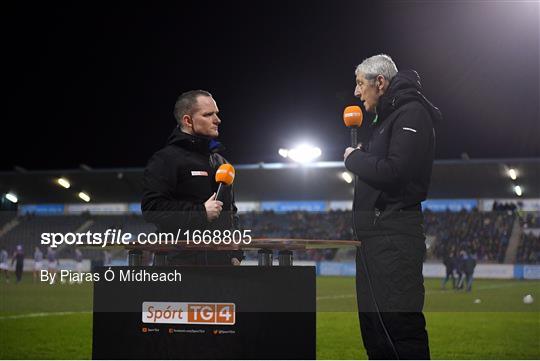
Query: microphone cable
[[363, 258]]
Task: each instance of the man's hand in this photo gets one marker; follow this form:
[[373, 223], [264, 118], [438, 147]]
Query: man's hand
[[349, 150], [213, 208], [235, 261]]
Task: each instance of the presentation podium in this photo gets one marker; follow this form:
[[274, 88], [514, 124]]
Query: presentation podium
[[208, 312]]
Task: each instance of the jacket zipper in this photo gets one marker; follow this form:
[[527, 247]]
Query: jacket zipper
[[377, 214]]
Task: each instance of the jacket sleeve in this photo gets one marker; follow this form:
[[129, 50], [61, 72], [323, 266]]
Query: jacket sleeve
[[409, 143], [159, 206], [234, 211]]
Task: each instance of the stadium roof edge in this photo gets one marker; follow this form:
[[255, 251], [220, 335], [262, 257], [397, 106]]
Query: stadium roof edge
[[263, 165]]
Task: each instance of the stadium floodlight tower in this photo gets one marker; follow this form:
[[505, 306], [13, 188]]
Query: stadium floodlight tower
[[8, 202], [12, 197], [84, 196], [63, 182], [512, 173], [303, 153]]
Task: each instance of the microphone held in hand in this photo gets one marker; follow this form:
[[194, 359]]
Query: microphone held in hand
[[352, 117], [224, 176]]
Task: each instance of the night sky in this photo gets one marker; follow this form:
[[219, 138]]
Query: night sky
[[97, 85]]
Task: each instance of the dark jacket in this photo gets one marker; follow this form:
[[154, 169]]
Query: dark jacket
[[178, 179], [448, 261], [394, 170], [469, 265]]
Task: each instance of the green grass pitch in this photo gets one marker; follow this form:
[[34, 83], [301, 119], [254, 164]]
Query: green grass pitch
[[38, 321]]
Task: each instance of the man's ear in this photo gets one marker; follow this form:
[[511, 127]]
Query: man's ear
[[381, 82], [187, 122]]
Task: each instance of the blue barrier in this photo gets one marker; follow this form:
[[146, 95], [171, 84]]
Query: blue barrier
[[453, 205], [531, 272], [289, 206], [518, 271], [42, 209], [494, 271]]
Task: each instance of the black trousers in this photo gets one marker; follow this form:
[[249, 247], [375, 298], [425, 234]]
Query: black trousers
[[449, 274], [19, 271], [391, 299]]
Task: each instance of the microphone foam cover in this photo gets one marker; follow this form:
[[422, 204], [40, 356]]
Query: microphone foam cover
[[352, 116], [225, 174]]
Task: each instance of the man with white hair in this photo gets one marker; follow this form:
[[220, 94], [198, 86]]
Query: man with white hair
[[393, 173]]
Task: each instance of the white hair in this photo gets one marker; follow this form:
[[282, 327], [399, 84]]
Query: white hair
[[376, 65]]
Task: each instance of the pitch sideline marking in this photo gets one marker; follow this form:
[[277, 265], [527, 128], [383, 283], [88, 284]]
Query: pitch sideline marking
[[479, 288], [332, 297], [41, 314]]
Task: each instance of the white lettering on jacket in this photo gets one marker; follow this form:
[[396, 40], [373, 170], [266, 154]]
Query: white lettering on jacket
[[198, 173], [410, 129]]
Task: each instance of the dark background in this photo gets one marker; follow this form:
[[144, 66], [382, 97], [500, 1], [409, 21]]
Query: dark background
[[97, 85]]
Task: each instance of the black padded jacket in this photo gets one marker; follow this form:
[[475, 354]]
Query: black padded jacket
[[178, 179], [394, 170]]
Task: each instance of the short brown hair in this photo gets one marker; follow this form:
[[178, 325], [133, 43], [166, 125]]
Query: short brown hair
[[186, 102]]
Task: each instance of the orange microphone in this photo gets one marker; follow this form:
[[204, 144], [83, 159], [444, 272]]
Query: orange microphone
[[224, 175], [352, 117]]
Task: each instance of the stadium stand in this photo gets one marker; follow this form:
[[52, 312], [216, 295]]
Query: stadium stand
[[530, 220], [28, 232], [5, 217], [485, 234], [299, 224], [529, 249]]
